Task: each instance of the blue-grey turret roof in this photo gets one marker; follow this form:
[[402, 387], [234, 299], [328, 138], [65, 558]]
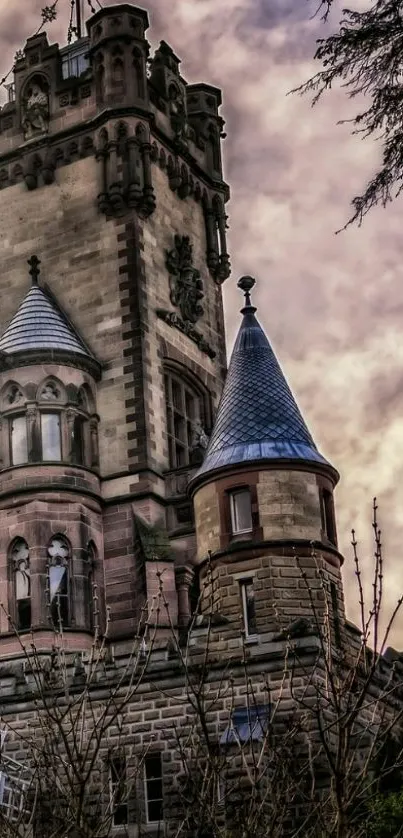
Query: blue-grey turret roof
[[258, 418], [39, 324]]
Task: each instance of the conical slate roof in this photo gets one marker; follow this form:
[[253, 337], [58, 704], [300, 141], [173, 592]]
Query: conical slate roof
[[39, 324], [258, 418]]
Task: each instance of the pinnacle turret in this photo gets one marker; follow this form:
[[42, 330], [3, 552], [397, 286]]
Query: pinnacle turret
[[258, 418]]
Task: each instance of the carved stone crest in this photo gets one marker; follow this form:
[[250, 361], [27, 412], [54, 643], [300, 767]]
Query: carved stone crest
[[35, 109], [185, 283]]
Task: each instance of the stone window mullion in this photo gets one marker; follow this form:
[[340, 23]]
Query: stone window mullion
[[67, 426], [33, 434]]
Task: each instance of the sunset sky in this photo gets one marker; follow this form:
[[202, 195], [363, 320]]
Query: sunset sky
[[332, 305]]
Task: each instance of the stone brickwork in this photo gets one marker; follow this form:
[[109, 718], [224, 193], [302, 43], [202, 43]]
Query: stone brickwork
[[111, 176], [99, 170]]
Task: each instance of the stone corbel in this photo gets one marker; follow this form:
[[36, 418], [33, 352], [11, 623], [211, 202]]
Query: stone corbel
[[48, 168], [31, 170]]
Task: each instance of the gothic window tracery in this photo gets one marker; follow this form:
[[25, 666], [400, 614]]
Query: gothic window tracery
[[14, 395], [50, 392], [22, 584], [59, 581]]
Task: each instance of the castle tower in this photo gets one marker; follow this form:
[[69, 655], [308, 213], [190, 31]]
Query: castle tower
[[112, 177], [263, 501]]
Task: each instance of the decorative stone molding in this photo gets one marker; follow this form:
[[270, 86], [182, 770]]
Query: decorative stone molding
[[186, 285], [188, 329], [132, 188]]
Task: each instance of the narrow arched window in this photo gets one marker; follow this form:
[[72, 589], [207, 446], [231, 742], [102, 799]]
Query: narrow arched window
[[22, 584], [59, 581]]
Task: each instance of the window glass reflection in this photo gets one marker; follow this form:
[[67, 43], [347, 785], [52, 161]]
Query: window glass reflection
[[50, 431], [19, 445], [58, 552], [20, 557]]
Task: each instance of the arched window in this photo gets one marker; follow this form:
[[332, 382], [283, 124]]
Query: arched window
[[187, 409], [22, 584], [59, 581]]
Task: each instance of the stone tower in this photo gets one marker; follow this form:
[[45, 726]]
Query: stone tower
[[112, 355], [263, 501]]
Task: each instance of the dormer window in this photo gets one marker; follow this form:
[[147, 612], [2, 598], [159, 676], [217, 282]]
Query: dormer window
[[241, 511]]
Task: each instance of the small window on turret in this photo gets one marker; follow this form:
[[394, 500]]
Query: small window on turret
[[241, 511], [248, 606], [327, 515]]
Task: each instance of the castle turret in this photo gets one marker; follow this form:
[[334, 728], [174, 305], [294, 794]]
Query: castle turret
[[50, 514], [264, 496]]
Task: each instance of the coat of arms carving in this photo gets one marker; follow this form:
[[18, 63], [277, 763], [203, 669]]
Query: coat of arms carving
[[185, 283]]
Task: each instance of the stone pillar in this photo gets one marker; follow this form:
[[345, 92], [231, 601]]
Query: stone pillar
[[33, 434], [135, 192], [149, 196], [94, 443], [114, 184], [183, 578]]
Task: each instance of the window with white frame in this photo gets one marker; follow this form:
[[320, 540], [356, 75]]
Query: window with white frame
[[241, 511], [247, 592], [118, 790], [153, 788]]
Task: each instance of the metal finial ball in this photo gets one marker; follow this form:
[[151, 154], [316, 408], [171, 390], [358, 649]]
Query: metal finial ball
[[246, 283]]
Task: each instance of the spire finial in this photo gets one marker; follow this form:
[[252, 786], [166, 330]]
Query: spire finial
[[34, 270], [246, 283]]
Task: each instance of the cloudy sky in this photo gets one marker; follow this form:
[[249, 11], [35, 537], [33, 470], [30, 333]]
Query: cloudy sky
[[331, 305]]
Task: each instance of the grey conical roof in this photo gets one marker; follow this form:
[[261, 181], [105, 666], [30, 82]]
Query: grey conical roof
[[258, 417], [39, 324]]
